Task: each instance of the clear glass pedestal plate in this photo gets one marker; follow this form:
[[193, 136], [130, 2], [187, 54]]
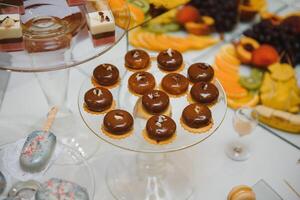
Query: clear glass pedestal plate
[[82, 173], [148, 174], [56, 38]]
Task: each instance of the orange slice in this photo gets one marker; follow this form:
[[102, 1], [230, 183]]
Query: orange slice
[[228, 53], [250, 100], [225, 66]]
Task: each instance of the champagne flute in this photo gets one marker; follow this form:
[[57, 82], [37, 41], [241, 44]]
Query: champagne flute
[[244, 122]]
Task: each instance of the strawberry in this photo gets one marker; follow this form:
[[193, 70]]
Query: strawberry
[[187, 14], [264, 56]]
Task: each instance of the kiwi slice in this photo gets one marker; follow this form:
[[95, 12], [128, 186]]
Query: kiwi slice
[[142, 4], [250, 83], [162, 28], [254, 81]]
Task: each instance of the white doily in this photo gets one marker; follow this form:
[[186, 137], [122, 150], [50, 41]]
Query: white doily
[[11, 161]]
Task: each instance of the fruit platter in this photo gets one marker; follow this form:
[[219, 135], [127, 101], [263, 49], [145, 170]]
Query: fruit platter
[[260, 70], [194, 26]]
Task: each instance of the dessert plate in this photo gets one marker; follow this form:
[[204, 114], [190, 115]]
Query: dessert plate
[[126, 100], [81, 173]]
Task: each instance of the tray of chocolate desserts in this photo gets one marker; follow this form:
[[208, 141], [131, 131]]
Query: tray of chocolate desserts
[[148, 102], [65, 26]]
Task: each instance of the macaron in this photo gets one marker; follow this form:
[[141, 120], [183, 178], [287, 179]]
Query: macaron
[[241, 192]]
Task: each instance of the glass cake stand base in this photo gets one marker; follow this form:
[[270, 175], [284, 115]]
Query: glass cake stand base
[[147, 177], [67, 126]]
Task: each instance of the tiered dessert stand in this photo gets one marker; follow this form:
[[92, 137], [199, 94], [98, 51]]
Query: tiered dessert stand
[[57, 39]]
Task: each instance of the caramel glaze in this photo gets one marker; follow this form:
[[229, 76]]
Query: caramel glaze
[[169, 60], [141, 82], [118, 122], [137, 59], [175, 83], [155, 101], [203, 92], [160, 128], [196, 115], [98, 99], [106, 74], [200, 72]]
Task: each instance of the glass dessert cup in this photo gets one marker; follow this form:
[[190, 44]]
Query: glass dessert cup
[[244, 122], [54, 35], [81, 174], [148, 173]]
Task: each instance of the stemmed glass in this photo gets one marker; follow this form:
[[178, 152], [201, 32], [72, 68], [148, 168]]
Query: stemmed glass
[[244, 122]]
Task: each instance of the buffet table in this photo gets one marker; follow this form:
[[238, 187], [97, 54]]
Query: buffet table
[[209, 169]]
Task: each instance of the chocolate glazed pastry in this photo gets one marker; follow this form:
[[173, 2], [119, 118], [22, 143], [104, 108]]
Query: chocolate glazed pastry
[[141, 82], [106, 74], [155, 101], [198, 72], [175, 84], [98, 99], [160, 128], [169, 60], [203, 92], [196, 116], [118, 122], [137, 59]]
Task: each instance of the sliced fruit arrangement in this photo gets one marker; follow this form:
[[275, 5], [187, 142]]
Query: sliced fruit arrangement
[[270, 83], [227, 66], [142, 10], [279, 119], [196, 17], [139, 37]]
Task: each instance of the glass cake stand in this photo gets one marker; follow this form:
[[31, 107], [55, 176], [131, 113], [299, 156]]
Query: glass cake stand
[[81, 174], [56, 38], [149, 174]]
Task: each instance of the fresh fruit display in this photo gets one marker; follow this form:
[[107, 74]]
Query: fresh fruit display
[[279, 89], [275, 85], [139, 37], [143, 10], [264, 56], [196, 17], [279, 119], [283, 33]]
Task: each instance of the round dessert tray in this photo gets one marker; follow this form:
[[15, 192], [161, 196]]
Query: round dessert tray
[[80, 174], [126, 100], [57, 32]]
